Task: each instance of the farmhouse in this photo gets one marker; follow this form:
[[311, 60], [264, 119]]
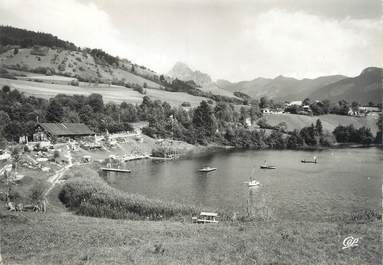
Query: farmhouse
[[296, 103], [44, 131], [266, 111], [369, 109]]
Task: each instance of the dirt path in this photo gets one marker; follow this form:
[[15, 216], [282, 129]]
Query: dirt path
[[59, 173]]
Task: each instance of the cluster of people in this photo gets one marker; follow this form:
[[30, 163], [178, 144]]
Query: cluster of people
[[39, 206]]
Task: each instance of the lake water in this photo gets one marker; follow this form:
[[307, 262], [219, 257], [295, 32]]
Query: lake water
[[344, 181]]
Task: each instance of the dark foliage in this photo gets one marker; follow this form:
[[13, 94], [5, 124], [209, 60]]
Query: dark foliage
[[349, 134], [27, 38]]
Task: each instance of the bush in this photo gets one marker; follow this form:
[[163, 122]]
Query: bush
[[26, 149], [38, 191], [74, 82], [91, 196], [56, 154]]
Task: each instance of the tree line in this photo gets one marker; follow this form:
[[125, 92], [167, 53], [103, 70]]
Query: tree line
[[27, 38], [221, 123]]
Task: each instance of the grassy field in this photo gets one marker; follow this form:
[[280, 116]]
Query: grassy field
[[112, 93], [72, 63], [63, 238], [329, 121]]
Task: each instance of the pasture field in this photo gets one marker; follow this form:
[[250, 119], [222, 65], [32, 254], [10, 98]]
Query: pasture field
[[116, 94], [329, 121], [64, 238]]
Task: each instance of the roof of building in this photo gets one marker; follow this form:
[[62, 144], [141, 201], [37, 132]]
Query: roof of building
[[66, 129], [208, 214], [298, 102], [368, 108]]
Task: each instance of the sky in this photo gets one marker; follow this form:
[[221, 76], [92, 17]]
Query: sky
[[228, 39]]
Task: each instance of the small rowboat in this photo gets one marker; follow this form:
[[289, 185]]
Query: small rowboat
[[314, 161], [207, 169], [268, 167], [309, 161]]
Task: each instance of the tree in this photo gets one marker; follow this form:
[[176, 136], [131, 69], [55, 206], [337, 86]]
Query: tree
[[13, 130], [3, 142], [204, 119], [55, 113], [86, 113], [16, 156], [6, 89], [319, 127], [308, 135], [4, 119], [264, 102], [306, 101], [96, 102], [379, 135], [294, 141], [355, 106], [223, 112]]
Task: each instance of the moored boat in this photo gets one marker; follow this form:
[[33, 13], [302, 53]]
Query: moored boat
[[268, 167], [314, 161], [207, 169]]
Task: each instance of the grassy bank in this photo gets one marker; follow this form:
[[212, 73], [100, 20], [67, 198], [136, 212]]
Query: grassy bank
[[64, 238], [89, 195]]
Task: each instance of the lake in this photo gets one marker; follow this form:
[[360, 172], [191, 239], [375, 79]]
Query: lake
[[344, 181]]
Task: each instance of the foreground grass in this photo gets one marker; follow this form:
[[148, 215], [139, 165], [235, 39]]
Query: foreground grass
[[64, 238]]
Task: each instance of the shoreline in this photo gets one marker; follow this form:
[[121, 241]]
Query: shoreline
[[222, 148]]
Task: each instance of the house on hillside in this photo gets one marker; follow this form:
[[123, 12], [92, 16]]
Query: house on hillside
[[368, 109], [352, 112], [44, 131], [306, 108], [266, 111], [297, 103]]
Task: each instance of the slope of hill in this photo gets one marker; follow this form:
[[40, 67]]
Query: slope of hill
[[363, 88], [185, 73], [329, 121], [280, 88], [26, 38], [110, 93], [78, 64]]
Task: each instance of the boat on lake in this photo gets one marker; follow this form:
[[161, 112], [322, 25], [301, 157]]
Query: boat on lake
[[266, 166], [314, 161], [207, 169]]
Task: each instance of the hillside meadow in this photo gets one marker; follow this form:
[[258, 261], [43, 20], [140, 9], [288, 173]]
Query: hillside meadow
[[73, 63], [329, 121], [112, 93]]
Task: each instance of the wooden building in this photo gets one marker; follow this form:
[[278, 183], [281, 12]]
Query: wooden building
[[44, 131]]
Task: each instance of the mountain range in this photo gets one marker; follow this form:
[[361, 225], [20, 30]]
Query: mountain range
[[363, 88], [44, 53], [185, 73]]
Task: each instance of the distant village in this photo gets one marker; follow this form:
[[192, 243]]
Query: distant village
[[305, 109]]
